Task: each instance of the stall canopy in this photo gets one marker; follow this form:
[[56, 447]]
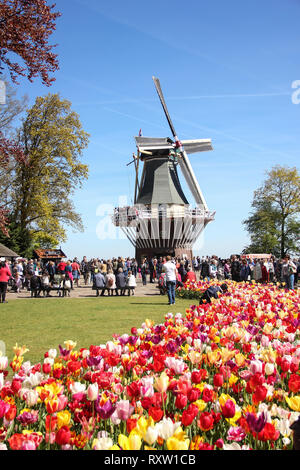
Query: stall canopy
[[7, 252], [257, 256], [49, 255]]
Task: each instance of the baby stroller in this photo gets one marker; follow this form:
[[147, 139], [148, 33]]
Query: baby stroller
[[162, 285]]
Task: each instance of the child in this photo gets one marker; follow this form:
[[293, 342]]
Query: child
[[131, 283], [67, 285], [56, 283], [45, 284], [17, 283]]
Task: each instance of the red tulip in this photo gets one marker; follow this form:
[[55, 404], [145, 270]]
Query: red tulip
[[218, 380], [156, 413], [228, 410], [181, 401], [63, 436], [189, 415], [205, 421], [294, 383]]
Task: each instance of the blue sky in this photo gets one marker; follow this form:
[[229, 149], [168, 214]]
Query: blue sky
[[226, 70]]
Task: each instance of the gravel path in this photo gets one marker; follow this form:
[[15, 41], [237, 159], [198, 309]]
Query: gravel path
[[86, 291]]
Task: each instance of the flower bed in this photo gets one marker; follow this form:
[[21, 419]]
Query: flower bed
[[223, 376]]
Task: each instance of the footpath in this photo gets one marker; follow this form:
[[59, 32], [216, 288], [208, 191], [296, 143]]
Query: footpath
[[86, 291]]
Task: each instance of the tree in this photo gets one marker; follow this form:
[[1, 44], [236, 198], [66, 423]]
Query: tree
[[41, 186], [10, 150], [274, 224], [25, 28], [11, 110]]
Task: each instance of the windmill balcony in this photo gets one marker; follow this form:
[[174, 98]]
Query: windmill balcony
[[132, 216]]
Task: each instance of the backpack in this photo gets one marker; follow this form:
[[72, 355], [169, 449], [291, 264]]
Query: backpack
[[110, 282]]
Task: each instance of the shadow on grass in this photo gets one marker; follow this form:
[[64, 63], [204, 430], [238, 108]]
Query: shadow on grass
[[149, 303]]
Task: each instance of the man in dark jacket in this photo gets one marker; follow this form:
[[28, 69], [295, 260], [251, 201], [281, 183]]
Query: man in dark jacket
[[235, 269], [120, 282], [213, 292], [99, 283], [204, 269]]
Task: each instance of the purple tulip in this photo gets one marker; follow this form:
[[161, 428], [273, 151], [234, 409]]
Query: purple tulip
[[105, 411], [93, 360], [256, 424], [63, 352]]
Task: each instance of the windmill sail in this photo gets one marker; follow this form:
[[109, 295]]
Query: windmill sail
[[192, 147]]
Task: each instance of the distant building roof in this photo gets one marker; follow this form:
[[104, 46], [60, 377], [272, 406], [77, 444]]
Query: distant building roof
[[6, 252], [49, 254]]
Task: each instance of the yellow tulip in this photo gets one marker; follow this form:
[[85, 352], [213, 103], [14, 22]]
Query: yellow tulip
[[213, 356], [143, 424], [195, 357], [293, 402], [240, 359], [175, 444], [226, 355], [161, 383], [20, 350], [201, 404], [233, 379], [63, 418], [132, 442], [224, 397], [178, 441], [70, 345]]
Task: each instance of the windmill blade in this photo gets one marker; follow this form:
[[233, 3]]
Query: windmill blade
[[184, 161], [191, 180], [162, 100]]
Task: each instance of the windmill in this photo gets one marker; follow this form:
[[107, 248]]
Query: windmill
[[162, 222]]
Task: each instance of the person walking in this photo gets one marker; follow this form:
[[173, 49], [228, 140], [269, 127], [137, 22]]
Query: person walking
[[75, 272], [289, 270], [235, 269], [205, 270], [144, 269], [245, 271], [5, 275], [169, 269]]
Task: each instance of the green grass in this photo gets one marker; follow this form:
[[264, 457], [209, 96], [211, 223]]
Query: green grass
[[41, 324]]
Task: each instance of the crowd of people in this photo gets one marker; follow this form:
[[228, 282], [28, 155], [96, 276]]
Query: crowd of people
[[119, 274]]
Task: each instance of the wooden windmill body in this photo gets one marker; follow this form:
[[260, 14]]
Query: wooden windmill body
[[161, 222]]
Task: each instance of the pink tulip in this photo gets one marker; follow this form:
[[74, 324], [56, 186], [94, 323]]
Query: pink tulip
[[124, 409], [92, 392]]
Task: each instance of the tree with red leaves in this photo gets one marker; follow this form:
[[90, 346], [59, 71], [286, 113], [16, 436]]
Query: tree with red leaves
[[25, 27]]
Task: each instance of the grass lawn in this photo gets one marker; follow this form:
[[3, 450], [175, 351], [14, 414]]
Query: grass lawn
[[41, 324]]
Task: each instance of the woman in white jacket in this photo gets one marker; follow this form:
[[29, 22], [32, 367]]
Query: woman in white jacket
[[131, 282]]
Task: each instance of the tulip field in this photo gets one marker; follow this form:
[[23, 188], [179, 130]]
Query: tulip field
[[219, 376]]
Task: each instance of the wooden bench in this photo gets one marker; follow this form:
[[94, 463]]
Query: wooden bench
[[100, 291]]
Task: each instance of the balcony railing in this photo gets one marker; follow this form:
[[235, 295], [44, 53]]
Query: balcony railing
[[123, 216]]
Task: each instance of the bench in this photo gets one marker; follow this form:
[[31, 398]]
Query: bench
[[100, 291], [60, 290]]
